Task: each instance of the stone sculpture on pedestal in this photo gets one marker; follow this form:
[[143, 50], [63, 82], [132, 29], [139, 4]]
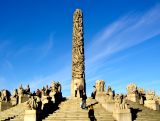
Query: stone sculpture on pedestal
[[132, 94], [22, 97], [121, 111], [100, 85], [5, 100], [14, 97], [150, 101]]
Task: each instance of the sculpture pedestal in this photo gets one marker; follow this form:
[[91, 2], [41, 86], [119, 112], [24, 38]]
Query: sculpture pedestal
[[152, 104], [122, 114], [22, 99], [30, 115], [133, 97], [109, 105], [5, 105]]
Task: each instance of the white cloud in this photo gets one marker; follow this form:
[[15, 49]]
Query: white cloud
[[47, 46], [128, 31]]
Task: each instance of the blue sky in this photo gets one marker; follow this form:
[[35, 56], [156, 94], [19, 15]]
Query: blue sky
[[122, 43]]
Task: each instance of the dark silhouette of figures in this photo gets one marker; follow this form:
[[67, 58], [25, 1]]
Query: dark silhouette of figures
[[91, 113], [38, 93], [47, 90], [84, 97], [34, 93]]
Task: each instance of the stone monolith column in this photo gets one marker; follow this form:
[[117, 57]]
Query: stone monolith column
[[78, 66]]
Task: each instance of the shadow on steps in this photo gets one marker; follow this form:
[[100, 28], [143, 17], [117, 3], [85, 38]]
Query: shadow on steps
[[49, 108]]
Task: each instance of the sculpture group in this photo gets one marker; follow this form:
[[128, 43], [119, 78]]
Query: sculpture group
[[35, 100]]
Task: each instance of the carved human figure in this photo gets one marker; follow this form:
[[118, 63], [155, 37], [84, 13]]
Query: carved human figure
[[141, 91], [111, 95], [5, 95], [31, 103], [43, 92], [15, 93], [100, 85], [132, 89], [120, 102], [150, 95], [53, 91], [20, 90], [53, 86], [47, 90], [117, 101], [59, 87], [27, 90], [141, 100], [14, 97], [124, 103], [109, 89]]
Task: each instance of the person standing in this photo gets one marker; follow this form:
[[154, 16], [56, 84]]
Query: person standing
[[76, 89], [91, 113], [81, 89], [84, 97], [94, 92]]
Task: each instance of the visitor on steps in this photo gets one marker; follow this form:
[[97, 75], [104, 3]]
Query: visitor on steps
[[91, 113], [81, 90], [94, 92], [84, 97]]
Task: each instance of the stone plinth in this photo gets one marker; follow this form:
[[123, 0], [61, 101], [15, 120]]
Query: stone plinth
[[122, 114], [109, 105], [22, 99], [30, 115], [5, 105], [133, 97], [152, 104]]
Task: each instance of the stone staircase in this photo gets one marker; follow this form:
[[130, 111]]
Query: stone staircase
[[70, 110], [15, 113], [141, 113]]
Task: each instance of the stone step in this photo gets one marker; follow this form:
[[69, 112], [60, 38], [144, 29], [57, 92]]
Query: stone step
[[144, 114], [13, 112], [70, 111]]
